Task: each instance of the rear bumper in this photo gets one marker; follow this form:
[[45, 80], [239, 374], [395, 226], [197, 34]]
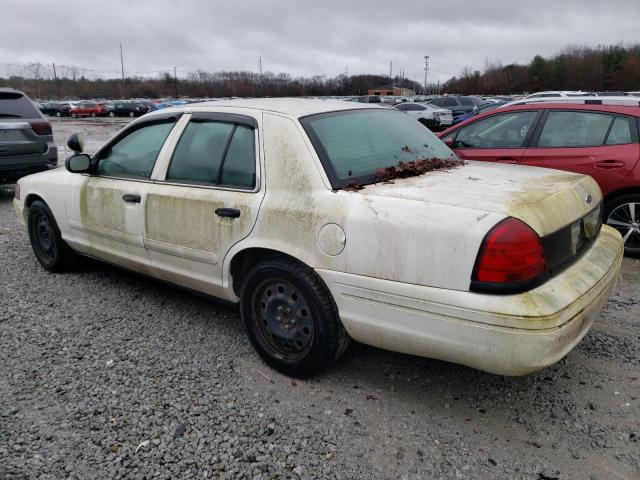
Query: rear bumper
[[501, 334], [15, 167]]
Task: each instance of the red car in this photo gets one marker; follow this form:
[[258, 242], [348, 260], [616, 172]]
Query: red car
[[86, 109], [597, 140]]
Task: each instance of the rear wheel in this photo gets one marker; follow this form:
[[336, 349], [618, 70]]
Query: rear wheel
[[291, 318], [623, 214], [131, 114], [112, 114], [50, 250]]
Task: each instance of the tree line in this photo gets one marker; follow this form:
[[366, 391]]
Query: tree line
[[197, 84], [601, 68]]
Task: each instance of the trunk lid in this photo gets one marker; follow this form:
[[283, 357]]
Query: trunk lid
[[545, 199]]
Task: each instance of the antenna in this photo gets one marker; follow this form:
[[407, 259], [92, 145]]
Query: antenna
[[122, 63], [426, 70]]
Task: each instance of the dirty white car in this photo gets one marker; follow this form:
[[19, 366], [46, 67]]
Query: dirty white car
[[278, 204]]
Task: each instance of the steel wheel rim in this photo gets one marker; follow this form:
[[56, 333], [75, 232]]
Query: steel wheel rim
[[626, 219], [45, 237], [283, 320]]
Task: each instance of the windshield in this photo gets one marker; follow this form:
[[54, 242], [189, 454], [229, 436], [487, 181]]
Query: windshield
[[353, 144]]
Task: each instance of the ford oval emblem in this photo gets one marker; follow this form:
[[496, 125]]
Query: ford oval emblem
[[588, 198]]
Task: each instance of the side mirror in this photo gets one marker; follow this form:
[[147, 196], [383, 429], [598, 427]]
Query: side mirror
[[75, 143], [449, 142], [78, 163]]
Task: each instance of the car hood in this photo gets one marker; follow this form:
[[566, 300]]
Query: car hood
[[545, 199]]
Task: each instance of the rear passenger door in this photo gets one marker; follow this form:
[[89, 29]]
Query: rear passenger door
[[603, 145], [206, 199], [501, 137]]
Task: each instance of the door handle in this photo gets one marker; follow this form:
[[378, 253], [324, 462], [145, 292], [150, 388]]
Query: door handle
[[507, 160], [609, 164], [131, 197], [228, 212]]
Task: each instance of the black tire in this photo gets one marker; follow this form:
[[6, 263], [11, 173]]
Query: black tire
[[617, 214], [112, 114], [51, 251], [310, 337]]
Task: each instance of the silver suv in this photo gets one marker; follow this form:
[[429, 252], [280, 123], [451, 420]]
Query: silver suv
[[26, 139]]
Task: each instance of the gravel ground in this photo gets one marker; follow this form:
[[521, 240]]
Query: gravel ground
[[108, 375]]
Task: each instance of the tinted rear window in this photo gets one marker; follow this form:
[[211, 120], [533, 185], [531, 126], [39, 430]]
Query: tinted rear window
[[16, 105], [353, 144], [465, 101]]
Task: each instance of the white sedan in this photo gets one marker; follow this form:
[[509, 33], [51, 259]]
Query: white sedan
[[429, 115], [290, 208]]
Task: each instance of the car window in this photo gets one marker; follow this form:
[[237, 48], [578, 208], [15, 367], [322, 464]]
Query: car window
[[199, 152], [574, 129], [239, 166], [465, 101], [437, 101], [507, 130], [403, 107], [620, 132], [135, 154], [448, 102], [353, 144], [417, 108], [16, 105]]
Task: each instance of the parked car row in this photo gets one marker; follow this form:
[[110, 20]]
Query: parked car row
[[104, 108]]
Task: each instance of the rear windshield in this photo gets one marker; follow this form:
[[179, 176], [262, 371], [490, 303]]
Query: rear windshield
[[16, 105], [465, 101], [353, 144]]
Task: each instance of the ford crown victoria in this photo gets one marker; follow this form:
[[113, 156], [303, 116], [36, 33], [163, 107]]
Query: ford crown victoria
[[278, 205]]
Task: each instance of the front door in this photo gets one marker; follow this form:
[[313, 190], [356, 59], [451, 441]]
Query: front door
[[497, 138], [106, 208], [207, 200]]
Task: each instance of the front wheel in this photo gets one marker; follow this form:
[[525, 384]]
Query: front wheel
[[623, 214], [131, 114], [291, 318], [50, 250]]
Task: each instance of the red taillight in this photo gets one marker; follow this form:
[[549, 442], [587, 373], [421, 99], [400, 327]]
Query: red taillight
[[41, 128], [511, 252]]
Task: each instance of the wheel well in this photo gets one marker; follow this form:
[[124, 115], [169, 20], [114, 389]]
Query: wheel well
[[619, 193], [242, 262], [32, 198]]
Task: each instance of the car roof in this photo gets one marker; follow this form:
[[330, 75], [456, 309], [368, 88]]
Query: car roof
[[623, 109], [559, 105], [294, 107]]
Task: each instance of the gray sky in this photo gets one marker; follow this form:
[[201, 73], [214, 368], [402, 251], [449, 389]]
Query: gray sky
[[305, 37]]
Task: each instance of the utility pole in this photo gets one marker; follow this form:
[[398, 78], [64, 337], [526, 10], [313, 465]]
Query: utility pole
[[390, 69], [260, 68], [426, 69], [175, 83], [57, 84], [122, 63]]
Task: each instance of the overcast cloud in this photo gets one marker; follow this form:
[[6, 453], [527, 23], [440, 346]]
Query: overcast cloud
[[305, 37]]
